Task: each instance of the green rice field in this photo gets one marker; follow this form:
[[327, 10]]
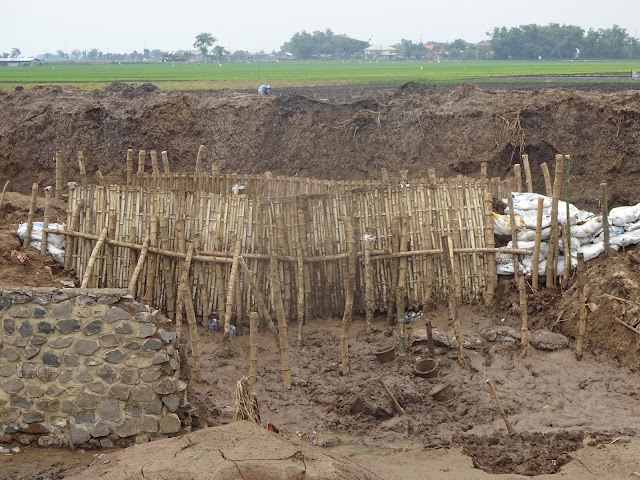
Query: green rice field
[[185, 76]]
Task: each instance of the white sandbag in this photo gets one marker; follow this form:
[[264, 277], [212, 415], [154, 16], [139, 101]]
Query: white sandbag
[[592, 250], [625, 239], [504, 258], [613, 232], [531, 222], [528, 235], [632, 226], [621, 216], [55, 243], [502, 224], [528, 201], [527, 265], [588, 228], [544, 247]]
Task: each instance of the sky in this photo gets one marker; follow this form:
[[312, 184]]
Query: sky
[[121, 26]]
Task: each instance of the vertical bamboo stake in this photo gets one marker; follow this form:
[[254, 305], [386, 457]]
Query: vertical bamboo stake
[[395, 248], [154, 163], [217, 245], [32, 209], [517, 171], [45, 221], [304, 244], [58, 176], [194, 338], [111, 235], [129, 166], [83, 171], [527, 172], [489, 238], [151, 263], [567, 196], [483, 170], [231, 289], [554, 240], [133, 282], [300, 285], [368, 282], [282, 322], [349, 291], [99, 178], [183, 288], [605, 216], [524, 315], [4, 192], [514, 238], [253, 342], [536, 247], [166, 267], [567, 258], [141, 157], [71, 243], [401, 285], [165, 162], [582, 318], [447, 247], [547, 179], [92, 260], [199, 158], [201, 278]]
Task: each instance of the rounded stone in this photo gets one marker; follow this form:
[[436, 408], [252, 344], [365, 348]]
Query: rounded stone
[[129, 376], [108, 340], [91, 362], [138, 361], [97, 387], [160, 357], [71, 359], [12, 386], [100, 429], [154, 407], [51, 359], [84, 376], [15, 341], [31, 391], [65, 376], [152, 344], [68, 407], [109, 410], [149, 424], [20, 402], [128, 428], [172, 402], [45, 374], [48, 404], [79, 435], [7, 369], [9, 326], [142, 394], [62, 309], [114, 356], [146, 330], [87, 401], [60, 342], [10, 354], [132, 409], [53, 391], [150, 375], [85, 301], [68, 325], [33, 417], [165, 386], [131, 344], [37, 341], [28, 370], [85, 346], [106, 373], [116, 313], [84, 417], [44, 327], [25, 329], [39, 312], [93, 327], [30, 352], [120, 392], [124, 329], [170, 423]]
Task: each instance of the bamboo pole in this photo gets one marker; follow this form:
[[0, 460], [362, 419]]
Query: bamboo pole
[[166, 268], [199, 158], [483, 170], [554, 240], [524, 316], [547, 179], [514, 237], [58, 158], [183, 289], [32, 209], [231, 289], [92, 260], [567, 196], [133, 282], [527, 172], [194, 338], [200, 273], [83, 170], [500, 409], [605, 216], [490, 241], [129, 166], [99, 178], [147, 299], [300, 285], [141, 158], [566, 257], [253, 353], [401, 286], [111, 234], [536, 247], [4, 192], [368, 282], [582, 309], [396, 405], [220, 299], [71, 241], [517, 171], [45, 221], [447, 244], [282, 322], [395, 248], [349, 292], [165, 162]]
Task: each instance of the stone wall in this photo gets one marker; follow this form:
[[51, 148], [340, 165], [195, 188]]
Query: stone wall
[[93, 357]]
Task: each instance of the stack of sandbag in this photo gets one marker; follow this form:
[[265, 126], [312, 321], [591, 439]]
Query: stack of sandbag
[[55, 243]]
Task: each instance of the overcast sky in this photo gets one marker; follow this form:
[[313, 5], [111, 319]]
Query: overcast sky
[[40, 26]]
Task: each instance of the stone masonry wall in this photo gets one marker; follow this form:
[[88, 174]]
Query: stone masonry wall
[[94, 357]]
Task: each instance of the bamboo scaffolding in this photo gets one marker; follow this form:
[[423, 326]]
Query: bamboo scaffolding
[[32, 209]]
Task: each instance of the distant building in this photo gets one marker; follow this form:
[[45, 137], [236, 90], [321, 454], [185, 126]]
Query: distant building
[[19, 62], [434, 52], [381, 52], [484, 46]]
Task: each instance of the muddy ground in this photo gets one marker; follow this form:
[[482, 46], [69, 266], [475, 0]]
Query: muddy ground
[[576, 419]]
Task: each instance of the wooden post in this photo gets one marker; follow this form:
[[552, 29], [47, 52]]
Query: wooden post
[[45, 221], [500, 409], [141, 157], [527, 172], [547, 179], [282, 322], [199, 158], [111, 235], [147, 299], [83, 170], [58, 176], [384, 175], [605, 216], [517, 171], [231, 289], [536, 247], [165, 162], [349, 292], [447, 247], [194, 338], [133, 282], [401, 286], [514, 238], [92, 260], [253, 343], [368, 282], [489, 238], [183, 289], [129, 167], [582, 309], [554, 240], [4, 192], [71, 242], [32, 209], [524, 316]]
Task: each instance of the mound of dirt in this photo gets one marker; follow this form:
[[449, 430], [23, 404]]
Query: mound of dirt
[[342, 132], [240, 450]]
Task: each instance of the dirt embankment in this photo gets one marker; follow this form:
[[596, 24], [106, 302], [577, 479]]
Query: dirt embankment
[[331, 132]]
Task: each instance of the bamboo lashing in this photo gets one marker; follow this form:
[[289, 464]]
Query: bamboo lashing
[[582, 308], [183, 289], [4, 192], [133, 282], [32, 209], [92, 260], [45, 221], [536, 247], [58, 159], [253, 348], [447, 245]]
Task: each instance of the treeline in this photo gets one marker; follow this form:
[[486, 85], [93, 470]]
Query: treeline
[[323, 44], [561, 42]]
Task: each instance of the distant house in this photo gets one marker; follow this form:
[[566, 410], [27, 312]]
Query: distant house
[[433, 52], [381, 52], [19, 62], [484, 46]]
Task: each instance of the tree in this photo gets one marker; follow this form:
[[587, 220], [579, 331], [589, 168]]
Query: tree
[[61, 55], [203, 42], [219, 52], [15, 52], [5, 55]]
